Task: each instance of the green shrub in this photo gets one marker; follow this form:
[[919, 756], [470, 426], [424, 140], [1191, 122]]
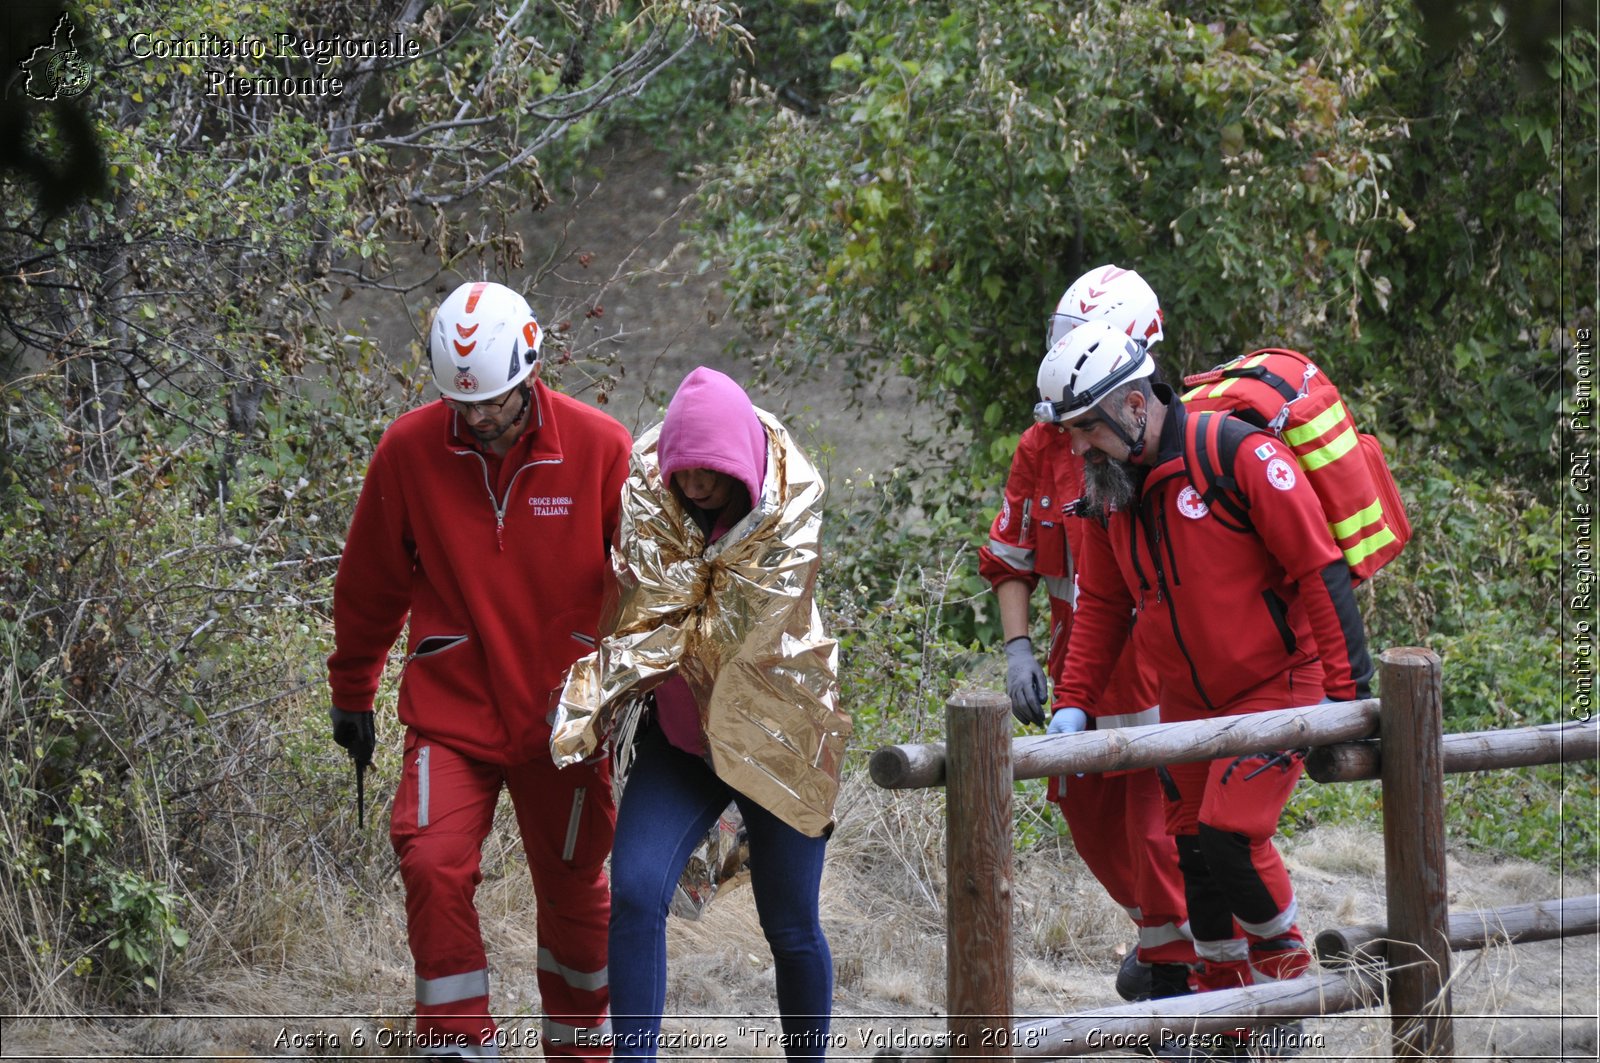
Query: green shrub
[[163, 594], [1479, 585]]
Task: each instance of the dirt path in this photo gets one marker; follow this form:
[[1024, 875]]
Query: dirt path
[[610, 267], [882, 895]]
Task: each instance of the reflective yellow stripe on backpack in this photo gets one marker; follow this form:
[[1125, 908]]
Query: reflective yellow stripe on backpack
[[1363, 533]]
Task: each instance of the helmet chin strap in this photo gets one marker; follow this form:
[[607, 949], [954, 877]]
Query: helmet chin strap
[[1134, 443], [527, 400]]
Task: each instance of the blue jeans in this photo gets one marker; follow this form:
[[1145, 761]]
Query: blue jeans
[[671, 800]]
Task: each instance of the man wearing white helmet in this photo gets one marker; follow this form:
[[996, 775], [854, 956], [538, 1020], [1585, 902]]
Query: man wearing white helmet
[[1115, 818], [485, 518], [1232, 620]]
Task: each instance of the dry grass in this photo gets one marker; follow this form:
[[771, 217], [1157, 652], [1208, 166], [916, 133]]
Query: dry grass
[[279, 961]]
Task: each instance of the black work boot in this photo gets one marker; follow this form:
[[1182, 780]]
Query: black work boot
[[1169, 980], [1134, 978], [1151, 981]]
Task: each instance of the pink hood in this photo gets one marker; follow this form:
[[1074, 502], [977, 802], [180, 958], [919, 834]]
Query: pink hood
[[711, 424]]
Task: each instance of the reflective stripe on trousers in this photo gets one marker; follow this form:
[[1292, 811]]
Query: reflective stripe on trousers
[[1153, 937], [589, 981], [1276, 926], [452, 987], [560, 1035], [1233, 950]]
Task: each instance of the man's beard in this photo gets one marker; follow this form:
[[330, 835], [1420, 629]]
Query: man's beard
[[1108, 485], [491, 432]]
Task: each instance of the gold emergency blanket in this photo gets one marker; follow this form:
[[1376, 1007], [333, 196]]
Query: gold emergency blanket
[[738, 621]]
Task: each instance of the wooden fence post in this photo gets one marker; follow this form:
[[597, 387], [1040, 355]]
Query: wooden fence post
[[978, 874], [1411, 729]]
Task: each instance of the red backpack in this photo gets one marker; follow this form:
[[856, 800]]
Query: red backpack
[[1284, 393]]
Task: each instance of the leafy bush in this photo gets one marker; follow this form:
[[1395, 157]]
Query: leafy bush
[[916, 622], [1312, 176], [1479, 585], [153, 669], [185, 435]]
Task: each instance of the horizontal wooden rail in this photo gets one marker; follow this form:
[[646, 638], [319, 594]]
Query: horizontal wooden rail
[[1541, 921], [1520, 747], [1127, 1026], [908, 767]]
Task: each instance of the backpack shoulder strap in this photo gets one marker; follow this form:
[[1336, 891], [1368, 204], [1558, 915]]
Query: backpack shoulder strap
[[1253, 367], [1268, 379], [1211, 443]]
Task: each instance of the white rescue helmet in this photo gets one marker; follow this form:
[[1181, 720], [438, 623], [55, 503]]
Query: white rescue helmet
[[484, 342], [1086, 365], [1108, 293]]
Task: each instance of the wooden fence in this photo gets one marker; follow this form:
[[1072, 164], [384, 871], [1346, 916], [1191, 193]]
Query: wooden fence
[[1408, 960]]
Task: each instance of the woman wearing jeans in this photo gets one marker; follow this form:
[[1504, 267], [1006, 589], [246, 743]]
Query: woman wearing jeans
[[716, 567]]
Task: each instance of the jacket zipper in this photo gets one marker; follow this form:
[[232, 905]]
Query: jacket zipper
[[1163, 591], [501, 504], [422, 786]]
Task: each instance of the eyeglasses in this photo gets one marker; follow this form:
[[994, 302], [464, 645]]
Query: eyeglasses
[[489, 406]]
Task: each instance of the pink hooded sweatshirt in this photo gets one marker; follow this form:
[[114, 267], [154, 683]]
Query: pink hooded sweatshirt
[[710, 424]]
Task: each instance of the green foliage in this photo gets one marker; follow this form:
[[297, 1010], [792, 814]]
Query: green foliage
[[900, 586], [915, 621], [1282, 173], [1480, 585], [150, 664], [186, 432], [780, 57]]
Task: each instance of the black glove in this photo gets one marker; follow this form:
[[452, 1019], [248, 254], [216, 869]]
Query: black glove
[[356, 732], [1025, 681]]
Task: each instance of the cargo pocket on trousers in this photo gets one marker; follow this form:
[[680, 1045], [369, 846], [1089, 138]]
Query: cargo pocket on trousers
[[412, 800], [591, 819]]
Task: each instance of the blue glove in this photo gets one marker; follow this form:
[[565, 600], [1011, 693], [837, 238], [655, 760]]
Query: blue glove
[[1067, 721], [1025, 681]]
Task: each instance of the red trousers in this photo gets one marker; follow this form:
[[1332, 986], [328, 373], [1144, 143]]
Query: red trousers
[[1117, 828], [443, 811], [1223, 813], [1115, 819]]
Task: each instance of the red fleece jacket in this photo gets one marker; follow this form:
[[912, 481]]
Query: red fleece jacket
[[500, 565], [1220, 611]]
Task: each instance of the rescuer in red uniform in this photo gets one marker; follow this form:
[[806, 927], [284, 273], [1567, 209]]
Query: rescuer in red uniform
[[485, 519], [1115, 817], [1232, 622]]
